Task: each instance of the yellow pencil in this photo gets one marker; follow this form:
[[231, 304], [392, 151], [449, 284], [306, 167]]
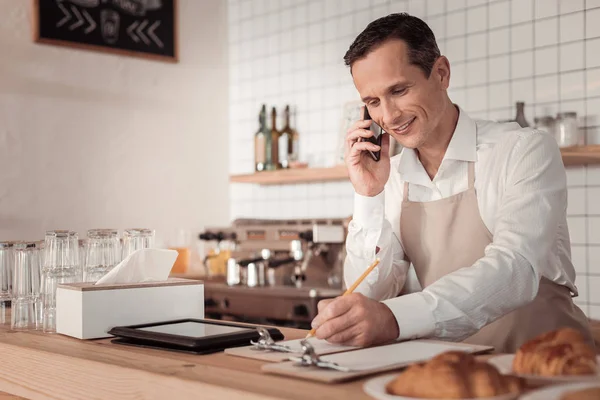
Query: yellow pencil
[[353, 287]]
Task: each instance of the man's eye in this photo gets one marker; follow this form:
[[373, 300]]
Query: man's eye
[[398, 91], [373, 104]]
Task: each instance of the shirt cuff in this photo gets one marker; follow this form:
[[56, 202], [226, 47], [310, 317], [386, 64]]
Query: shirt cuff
[[413, 315], [368, 211]]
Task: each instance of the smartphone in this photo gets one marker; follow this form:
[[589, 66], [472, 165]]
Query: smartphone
[[376, 138]]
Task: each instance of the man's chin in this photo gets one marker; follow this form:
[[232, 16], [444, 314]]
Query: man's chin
[[408, 141]]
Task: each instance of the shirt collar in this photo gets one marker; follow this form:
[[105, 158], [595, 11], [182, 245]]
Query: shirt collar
[[462, 147]]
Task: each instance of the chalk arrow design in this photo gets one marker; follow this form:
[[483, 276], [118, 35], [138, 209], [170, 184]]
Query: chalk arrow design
[[131, 33], [66, 18], [136, 32], [153, 36], [141, 34], [80, 20], [90, 20]]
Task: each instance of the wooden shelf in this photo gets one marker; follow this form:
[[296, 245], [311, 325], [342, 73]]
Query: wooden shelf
[[299, 175], [581, 155]]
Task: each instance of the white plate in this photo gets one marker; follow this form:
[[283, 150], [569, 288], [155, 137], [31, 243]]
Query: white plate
[[504, 365], [556, 391], [376, 388]]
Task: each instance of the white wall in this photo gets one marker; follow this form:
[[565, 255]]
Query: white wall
[[90, 139], [544, 52]]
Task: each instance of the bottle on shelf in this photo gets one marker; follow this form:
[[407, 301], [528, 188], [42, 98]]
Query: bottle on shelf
[[261, 141], [286, 141], [273, 154], [295, 149], [520, 117]]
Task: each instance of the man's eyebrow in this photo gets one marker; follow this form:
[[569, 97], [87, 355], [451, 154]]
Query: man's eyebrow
[[391, 88]]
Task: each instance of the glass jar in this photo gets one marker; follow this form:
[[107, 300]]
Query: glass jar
[[566, 133]]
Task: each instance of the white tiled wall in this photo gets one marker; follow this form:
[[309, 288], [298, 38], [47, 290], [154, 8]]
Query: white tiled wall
[[543, 52]]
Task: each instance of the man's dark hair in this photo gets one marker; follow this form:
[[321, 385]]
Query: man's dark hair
[[423, 50]]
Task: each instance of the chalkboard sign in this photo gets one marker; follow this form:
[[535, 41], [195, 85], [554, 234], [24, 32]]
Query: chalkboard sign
[[146, 28]]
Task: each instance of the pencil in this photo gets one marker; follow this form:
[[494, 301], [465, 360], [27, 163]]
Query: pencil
[[353, 287]]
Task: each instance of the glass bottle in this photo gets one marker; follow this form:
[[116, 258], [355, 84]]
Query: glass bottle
[[273, 160], [520, 118], [295, 154], [260, 141], [285, 141]]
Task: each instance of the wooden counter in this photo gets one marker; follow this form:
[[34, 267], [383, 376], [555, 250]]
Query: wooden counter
[[37, 366]]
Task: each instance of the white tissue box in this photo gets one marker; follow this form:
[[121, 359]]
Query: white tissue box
[[88, 311]]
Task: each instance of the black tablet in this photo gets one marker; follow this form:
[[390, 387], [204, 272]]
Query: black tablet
[[195, 335]]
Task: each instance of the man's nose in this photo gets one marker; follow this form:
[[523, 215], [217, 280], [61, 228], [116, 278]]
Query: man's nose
[[390, 114]]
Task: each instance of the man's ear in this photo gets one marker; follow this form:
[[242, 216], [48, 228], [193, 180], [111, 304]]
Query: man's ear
[[441, 72]]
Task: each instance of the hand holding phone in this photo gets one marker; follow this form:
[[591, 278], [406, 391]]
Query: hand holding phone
[[377, 135], [370, 171]]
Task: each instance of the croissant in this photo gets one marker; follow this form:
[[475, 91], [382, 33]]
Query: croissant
[[559, 352], [583, 394], [453, 375]]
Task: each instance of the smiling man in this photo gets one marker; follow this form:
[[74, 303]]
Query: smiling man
[[469, 221]]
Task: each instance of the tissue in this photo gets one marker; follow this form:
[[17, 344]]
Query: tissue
[[144, 265]]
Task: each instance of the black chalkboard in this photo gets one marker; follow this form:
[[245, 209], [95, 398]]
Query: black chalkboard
[[146, 28]]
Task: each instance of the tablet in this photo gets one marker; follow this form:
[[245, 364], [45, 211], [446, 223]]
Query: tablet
[[195, 335]]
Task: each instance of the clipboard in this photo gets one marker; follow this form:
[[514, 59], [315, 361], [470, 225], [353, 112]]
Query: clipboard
[[321, 347], [367, 361]]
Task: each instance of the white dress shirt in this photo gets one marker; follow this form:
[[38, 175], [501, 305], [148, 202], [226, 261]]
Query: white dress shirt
[[520, 183]]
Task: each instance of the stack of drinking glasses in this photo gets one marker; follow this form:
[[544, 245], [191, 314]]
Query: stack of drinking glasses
[[6, 266], [26, 300], [61, 265], [135, 239], [102, 253]]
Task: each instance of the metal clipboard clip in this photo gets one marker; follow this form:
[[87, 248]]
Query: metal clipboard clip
[[266, 342], [310, 358]]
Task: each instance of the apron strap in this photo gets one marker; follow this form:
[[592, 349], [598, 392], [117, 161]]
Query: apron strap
[[471, 175], [405, 198]]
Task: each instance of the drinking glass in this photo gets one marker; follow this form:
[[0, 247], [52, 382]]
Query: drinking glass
[[25, 286], [6, 266], [135, 239], [61, 265], [102, 253]]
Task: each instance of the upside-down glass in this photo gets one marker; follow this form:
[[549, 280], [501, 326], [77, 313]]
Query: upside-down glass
[[25, 286], [135, 239], [6, 266], [102, 253], [61, 265]]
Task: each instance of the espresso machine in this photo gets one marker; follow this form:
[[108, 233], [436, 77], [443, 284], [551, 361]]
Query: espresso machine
[[277, 270]]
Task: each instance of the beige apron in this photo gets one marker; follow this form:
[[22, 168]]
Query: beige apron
[[442, 236]]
